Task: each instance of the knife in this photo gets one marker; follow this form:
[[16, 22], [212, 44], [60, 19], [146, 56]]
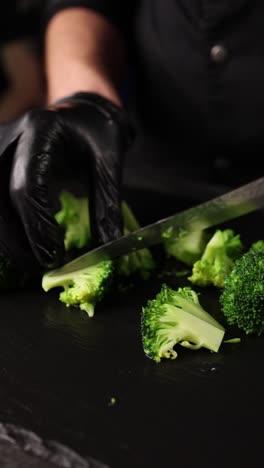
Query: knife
[[230, 205]]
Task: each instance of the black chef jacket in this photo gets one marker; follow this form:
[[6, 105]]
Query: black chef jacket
[[199, 67]]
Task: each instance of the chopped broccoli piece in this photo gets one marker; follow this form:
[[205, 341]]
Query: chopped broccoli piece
[[83, 288], [242, 299], [218, 259], [187, 247], [177, 317], [258, 245], [86, 287], [74, 218], [141, 261]]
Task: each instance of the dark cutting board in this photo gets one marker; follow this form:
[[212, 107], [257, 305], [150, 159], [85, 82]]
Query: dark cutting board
[[59, 371]]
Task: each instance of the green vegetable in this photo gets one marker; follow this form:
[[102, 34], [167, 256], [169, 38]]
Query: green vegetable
[[242, 299], [187, 247], [74, 218], [177, 317], [218, 259], [233, 341], [139, 262], [83, 288], [258, 245], [112, 401]]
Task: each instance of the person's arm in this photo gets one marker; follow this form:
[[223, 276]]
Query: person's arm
[[83, 52]]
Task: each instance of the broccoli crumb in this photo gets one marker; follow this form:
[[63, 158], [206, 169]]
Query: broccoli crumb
[[112, 401], [233, 340]]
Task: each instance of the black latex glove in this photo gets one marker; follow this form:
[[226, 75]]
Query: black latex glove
[[17, 262], [85, 134]]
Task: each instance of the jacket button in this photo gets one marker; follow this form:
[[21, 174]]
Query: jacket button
[[218, 54]]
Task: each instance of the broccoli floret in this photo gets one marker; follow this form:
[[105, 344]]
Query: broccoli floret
[[83, 288], [177, 317], [187, 247], [140, 261], [242, 299], [258, 245], [74, 218], [218, 259], [86, 287]]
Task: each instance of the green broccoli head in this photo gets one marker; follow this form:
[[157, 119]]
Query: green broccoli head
[[74, 218], [218, 259], [242, 299], [177, 317], [187, 247], [258, 245], [83, 288]]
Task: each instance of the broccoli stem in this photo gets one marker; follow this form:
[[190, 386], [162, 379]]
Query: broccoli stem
[[181, 327], [130, 222]]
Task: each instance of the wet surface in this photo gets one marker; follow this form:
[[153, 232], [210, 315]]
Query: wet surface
[[86, 383]]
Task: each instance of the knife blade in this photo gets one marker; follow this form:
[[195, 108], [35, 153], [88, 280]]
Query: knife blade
[[230, 205]]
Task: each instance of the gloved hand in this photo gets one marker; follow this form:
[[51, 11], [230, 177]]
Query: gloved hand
[[17, 262], [86, 135]]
